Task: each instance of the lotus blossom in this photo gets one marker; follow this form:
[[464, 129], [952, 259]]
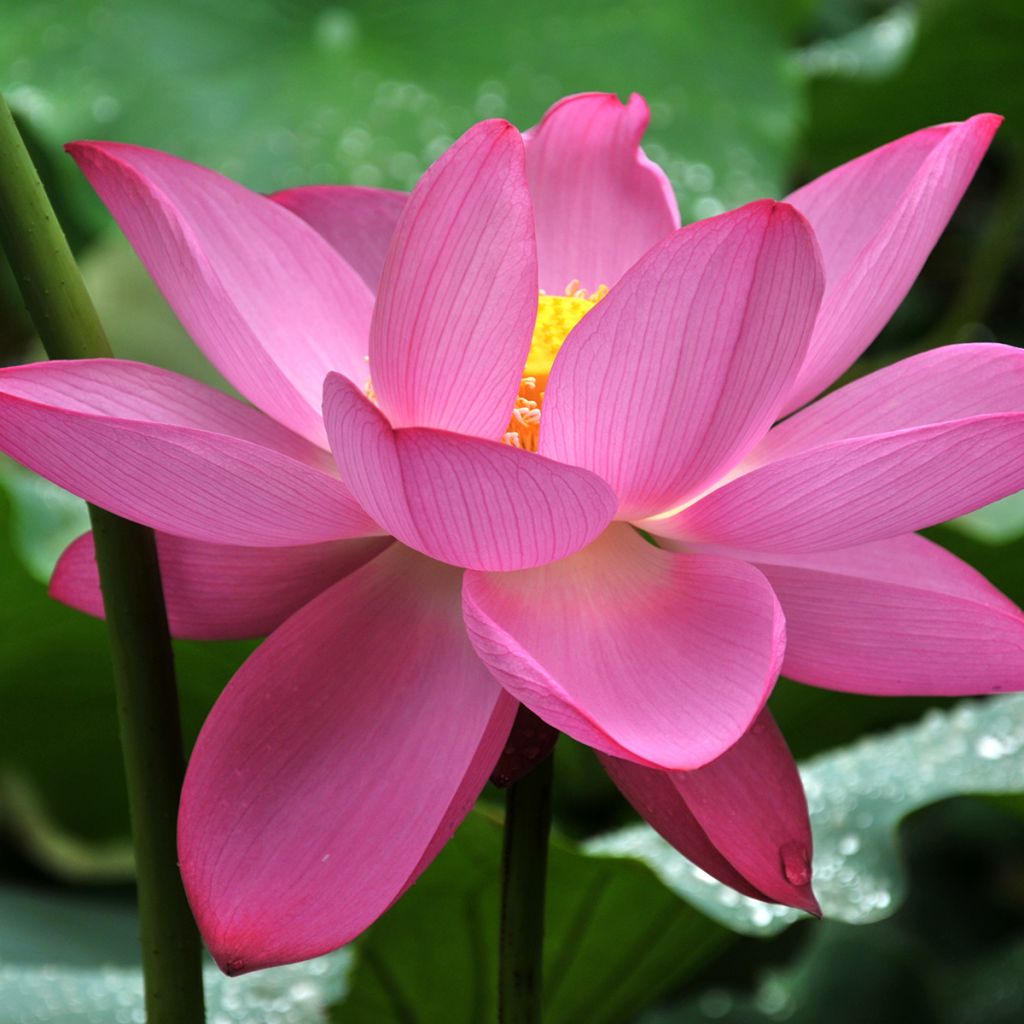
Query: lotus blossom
[[473, 409]]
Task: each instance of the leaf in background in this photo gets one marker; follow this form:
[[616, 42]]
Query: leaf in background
[[58, 729], [433, 956], [965, 60], [998, 523], [857, 798], [837, 976], [44, 518], [952, 955], [875, 49], [72, 959], [281, 94]]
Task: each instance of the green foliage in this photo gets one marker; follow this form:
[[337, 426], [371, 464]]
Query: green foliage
[[69, 958], [433, 956], [282, 93], [965, 60], [60, 767]]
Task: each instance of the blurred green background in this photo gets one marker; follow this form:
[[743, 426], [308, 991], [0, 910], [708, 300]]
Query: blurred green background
[[748, 99]]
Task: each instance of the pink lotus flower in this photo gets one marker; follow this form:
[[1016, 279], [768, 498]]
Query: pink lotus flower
[[347, 749]]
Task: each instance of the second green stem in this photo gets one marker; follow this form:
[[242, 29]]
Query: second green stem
[[524, 877]]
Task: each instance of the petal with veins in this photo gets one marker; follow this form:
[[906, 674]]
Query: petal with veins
[[659, 658], [173, 454], [268, 300], [462, 500], [334, 763], [932, 437], [683, 367], [221, 591], [898, 617], [359, 222], [742, 818], [458, 294], [877, 219], [600, 203]]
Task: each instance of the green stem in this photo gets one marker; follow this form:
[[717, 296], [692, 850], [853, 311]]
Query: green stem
[[143, 661], [523, 877]]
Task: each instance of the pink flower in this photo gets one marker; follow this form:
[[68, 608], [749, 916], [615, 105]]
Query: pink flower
[[347, 749]]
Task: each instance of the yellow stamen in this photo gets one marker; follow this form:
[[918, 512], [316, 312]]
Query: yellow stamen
[[557, 315]]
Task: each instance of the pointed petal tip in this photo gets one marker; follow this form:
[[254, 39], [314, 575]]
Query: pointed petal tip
[[981, 128], [992, 121], [795, 862], [245, 953], [803, 898], [79, 148], [813, 907], [233, 966], [233, 955], [57, 587]]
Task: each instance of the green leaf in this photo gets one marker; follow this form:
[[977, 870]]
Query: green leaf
[[837, 976], [857, 797], [44, 518], [61, 776], [616, 939], [73, 959], [878, 48], [998, 523], [279, 93], [965, 60]]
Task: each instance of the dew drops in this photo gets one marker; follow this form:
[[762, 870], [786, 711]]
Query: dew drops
[[708, 206], [336, 29], [848, 845], [296, 994], [796, 863], [990, 748], [857, 797], [105, 108]]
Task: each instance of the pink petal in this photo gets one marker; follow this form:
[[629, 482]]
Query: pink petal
[[600, 203], [334, 761], [219, 591], [927, 439], [896, 617], [357, 221], [877, 219], [463, 500], [643, 654], [261, 293], [458, 295], [683, 367], [173, 454], [742, 818]]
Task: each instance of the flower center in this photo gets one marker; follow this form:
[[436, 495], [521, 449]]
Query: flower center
[[557, 315]]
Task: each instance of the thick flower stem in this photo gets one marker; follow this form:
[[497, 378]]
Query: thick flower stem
[[147, 698], [523, 878]]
